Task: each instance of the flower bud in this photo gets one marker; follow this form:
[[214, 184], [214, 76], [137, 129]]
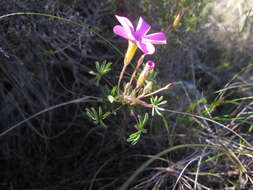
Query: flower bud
[[178, 17], [148, 67], [147, 88]]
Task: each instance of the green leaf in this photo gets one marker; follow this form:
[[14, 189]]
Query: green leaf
[[101, 70], [113, 91], [92, 73], [251, 128], [140, 126], [157, 102], [97, 116], [110, 98]]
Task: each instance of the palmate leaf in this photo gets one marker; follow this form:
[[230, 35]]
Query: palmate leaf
[[141, 123], [101, 70], [97, 116], [157, 102]]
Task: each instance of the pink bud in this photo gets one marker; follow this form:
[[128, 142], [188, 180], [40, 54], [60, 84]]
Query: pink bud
[[150, 65]]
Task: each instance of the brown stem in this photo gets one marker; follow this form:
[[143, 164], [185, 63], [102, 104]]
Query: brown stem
[[159, 90], [140, 61], [121, 75]]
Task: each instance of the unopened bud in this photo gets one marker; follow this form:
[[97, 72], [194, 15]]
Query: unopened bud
[[126, 88], [178, 17], [147, 88], [148, 67]]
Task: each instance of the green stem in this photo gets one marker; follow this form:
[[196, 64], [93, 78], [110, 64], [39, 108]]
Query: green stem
[[121, 76]]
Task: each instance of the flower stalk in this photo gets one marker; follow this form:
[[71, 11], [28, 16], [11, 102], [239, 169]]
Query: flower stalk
[[155, 92], [139, 63]]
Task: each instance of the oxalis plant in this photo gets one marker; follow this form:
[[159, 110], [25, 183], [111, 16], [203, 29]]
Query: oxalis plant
[[139, 90]]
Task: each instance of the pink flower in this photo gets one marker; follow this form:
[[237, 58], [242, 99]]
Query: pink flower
[[138, 35]]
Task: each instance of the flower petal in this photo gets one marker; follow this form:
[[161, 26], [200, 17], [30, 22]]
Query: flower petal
[[142, 28], [146, 47], [126, 23], [155, 38], [150, 65], [119, 30]]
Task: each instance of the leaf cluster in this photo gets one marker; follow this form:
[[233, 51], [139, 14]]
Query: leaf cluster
[[157, 102], [140, 126], [97, 115], [101, 70]]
